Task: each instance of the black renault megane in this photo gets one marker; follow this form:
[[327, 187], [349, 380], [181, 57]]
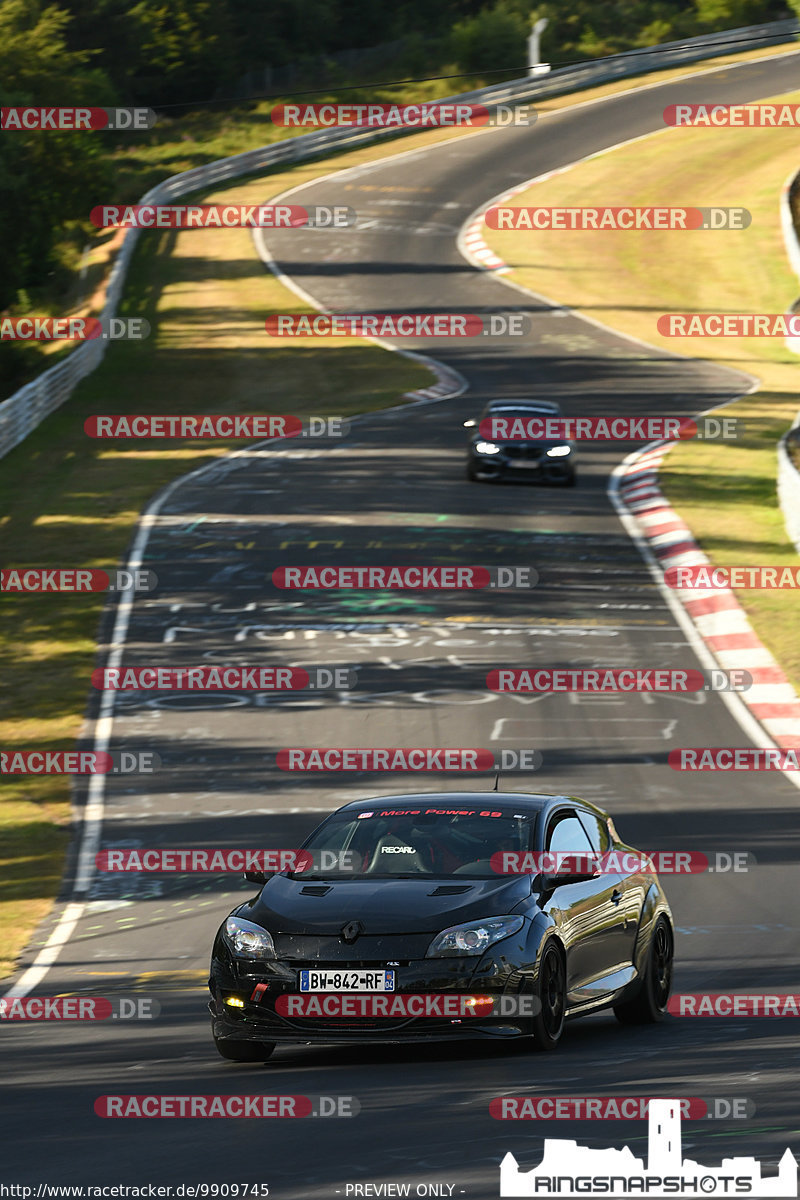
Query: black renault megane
[[456, 915]]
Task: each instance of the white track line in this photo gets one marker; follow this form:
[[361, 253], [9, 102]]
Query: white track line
[[783, 723], [91, 816]]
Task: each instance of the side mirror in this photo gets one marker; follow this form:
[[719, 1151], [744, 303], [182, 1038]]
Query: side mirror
[[255, 877], [470, 424], [553, 881], [548, 882]]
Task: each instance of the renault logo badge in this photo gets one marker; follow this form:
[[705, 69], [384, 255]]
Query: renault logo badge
[[351, 931]]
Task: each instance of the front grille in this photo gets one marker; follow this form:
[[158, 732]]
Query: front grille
[[531, 453], [350, 964]]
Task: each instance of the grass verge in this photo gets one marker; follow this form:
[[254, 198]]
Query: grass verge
[[725, 492], [67, 501]]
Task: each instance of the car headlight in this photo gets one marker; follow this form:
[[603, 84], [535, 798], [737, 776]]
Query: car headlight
[[559, 451], [248, 940], [486, 448], [473, 937]]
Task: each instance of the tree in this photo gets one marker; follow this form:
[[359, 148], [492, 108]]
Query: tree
[[46, 177], [494, 39]]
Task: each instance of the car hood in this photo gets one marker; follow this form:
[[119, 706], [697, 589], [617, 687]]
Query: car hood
[[384, 906]]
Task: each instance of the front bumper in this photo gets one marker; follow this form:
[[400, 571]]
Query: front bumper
[[539, 468], [258, 1020]]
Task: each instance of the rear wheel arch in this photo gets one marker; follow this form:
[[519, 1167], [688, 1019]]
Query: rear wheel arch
[[652, 908]]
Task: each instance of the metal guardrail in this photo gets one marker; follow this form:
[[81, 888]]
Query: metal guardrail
[[26, 408]]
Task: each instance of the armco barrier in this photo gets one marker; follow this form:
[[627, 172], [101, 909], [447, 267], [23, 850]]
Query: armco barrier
[[23, 411]]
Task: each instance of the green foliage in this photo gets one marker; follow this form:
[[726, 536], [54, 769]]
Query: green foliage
[[165, 54], [495, 38], [47, 178]]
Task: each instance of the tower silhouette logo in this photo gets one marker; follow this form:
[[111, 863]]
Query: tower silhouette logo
[[569, 1170]]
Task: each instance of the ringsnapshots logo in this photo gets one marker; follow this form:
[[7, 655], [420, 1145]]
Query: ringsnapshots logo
[[374, 115], [86, 119], [398, 325], [570, 1170], [612, 218]]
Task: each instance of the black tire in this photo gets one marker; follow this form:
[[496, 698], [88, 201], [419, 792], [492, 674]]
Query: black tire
[[243, 1052], [551, 991], [649, 1005], [571, 480], [470, 473]]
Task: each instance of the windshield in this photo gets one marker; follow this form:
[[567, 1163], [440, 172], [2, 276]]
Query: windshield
[[425, 841], [531, 424], [520, 414]]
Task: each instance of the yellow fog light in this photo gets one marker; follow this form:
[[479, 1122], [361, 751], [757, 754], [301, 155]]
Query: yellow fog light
[[234, 1002]]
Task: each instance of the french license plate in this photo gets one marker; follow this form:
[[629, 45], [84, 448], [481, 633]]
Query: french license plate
[[525, 464], [347, 981]]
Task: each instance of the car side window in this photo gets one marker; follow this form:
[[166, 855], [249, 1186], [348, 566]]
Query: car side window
[[566, 835], [597, 831]]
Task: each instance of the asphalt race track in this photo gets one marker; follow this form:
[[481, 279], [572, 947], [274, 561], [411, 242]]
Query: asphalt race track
[[395, 492]]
